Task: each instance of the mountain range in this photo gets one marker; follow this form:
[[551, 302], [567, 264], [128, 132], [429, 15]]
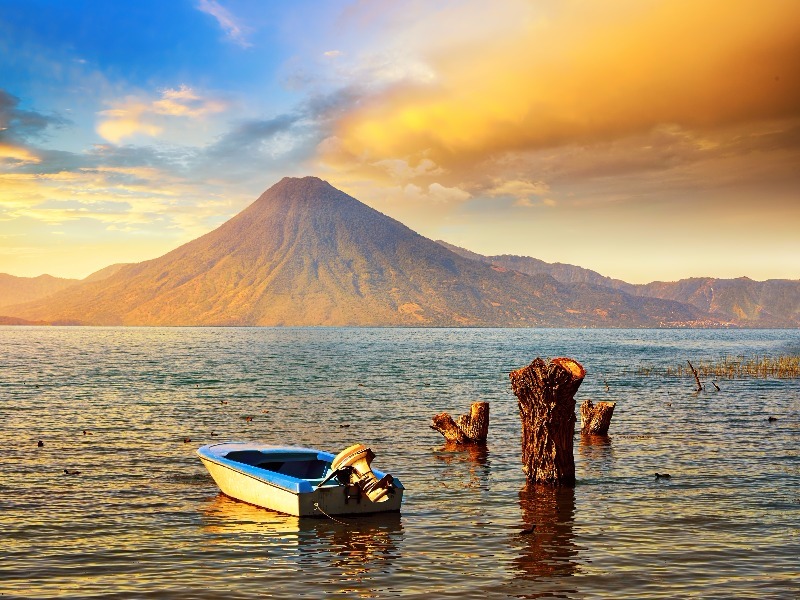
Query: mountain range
[[305, 253], [741, 301]]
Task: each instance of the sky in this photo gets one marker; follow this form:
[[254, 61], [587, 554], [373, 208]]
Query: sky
[[645, 139]]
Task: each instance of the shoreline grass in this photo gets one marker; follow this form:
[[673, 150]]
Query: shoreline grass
[[731, 367]]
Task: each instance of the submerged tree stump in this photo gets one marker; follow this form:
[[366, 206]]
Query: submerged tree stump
[[596, 418], [467, 429], [546, 395], [696, 377]]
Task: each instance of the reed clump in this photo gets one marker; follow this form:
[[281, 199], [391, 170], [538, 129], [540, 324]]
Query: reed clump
[[730, 367]]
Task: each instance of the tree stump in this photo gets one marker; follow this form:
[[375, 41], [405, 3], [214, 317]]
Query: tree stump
[[596, 418], [546, 395], [467, 429]]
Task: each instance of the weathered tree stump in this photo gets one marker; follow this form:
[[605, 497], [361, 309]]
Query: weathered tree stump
[[596, 418], [546, 395], [467, 429]]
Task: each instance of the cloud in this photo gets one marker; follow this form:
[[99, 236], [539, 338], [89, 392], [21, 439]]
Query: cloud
[[433, 194], [18, 127], [234, 31], [548, 75], [136, 116], [519, 188], [22, 124], [143, 199], [10, 153], [126, 121], [402, 169], [439, 193], [525, 193], [531, 203], [184, 102], [252, 135]]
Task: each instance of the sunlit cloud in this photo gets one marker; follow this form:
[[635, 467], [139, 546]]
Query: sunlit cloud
[[185, 102], [528, 202], [403, 170], [572, 74], [135, 116], [234, 31], [129, 198], [10, 153], [435, 192], [128, 120], [519, 188]]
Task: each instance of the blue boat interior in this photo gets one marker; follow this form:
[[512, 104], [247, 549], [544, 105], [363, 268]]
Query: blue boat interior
[[299, 464]]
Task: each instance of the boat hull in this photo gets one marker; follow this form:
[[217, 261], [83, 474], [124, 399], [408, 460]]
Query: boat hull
[[248, 484]]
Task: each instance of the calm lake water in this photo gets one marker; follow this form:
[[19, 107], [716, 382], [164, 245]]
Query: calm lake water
[[144, 520]]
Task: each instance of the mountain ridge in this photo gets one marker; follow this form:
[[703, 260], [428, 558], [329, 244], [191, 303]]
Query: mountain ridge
[[741, 301]]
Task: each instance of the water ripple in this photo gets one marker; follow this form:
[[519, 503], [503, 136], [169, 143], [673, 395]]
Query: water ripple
[[144, 519]]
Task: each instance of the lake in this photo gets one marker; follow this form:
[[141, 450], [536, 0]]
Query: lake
[[143, 519]]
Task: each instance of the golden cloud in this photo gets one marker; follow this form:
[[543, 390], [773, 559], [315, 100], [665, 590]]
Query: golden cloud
[[14, 154], [578, 73], [134, 116]]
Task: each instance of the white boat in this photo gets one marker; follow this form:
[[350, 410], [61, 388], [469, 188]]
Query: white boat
[[302, 481]]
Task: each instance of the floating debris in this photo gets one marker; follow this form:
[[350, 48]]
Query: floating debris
[[663, 476], [71, 472], [40, 444]]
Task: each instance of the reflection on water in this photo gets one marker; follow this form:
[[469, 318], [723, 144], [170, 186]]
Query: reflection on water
[[224, 515], [470, 466], [597, 456], [549, 551], [589, 441], [354, 549]]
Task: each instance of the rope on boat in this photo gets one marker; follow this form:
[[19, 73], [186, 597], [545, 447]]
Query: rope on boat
[[319, 508]]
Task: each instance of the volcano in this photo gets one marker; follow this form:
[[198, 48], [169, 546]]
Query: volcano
[[305, 253]]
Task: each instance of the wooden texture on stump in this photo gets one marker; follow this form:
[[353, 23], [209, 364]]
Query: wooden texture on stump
[[467, 429], [596, 418], [546, 395]]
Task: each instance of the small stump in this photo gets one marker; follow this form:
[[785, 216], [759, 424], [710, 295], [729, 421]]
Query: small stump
[[546, 395], [467, 429], [596, 418]]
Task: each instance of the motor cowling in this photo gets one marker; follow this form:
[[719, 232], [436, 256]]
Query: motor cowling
[[357, 460]]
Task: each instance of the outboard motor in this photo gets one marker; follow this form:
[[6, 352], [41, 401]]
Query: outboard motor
[[356, 461]]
